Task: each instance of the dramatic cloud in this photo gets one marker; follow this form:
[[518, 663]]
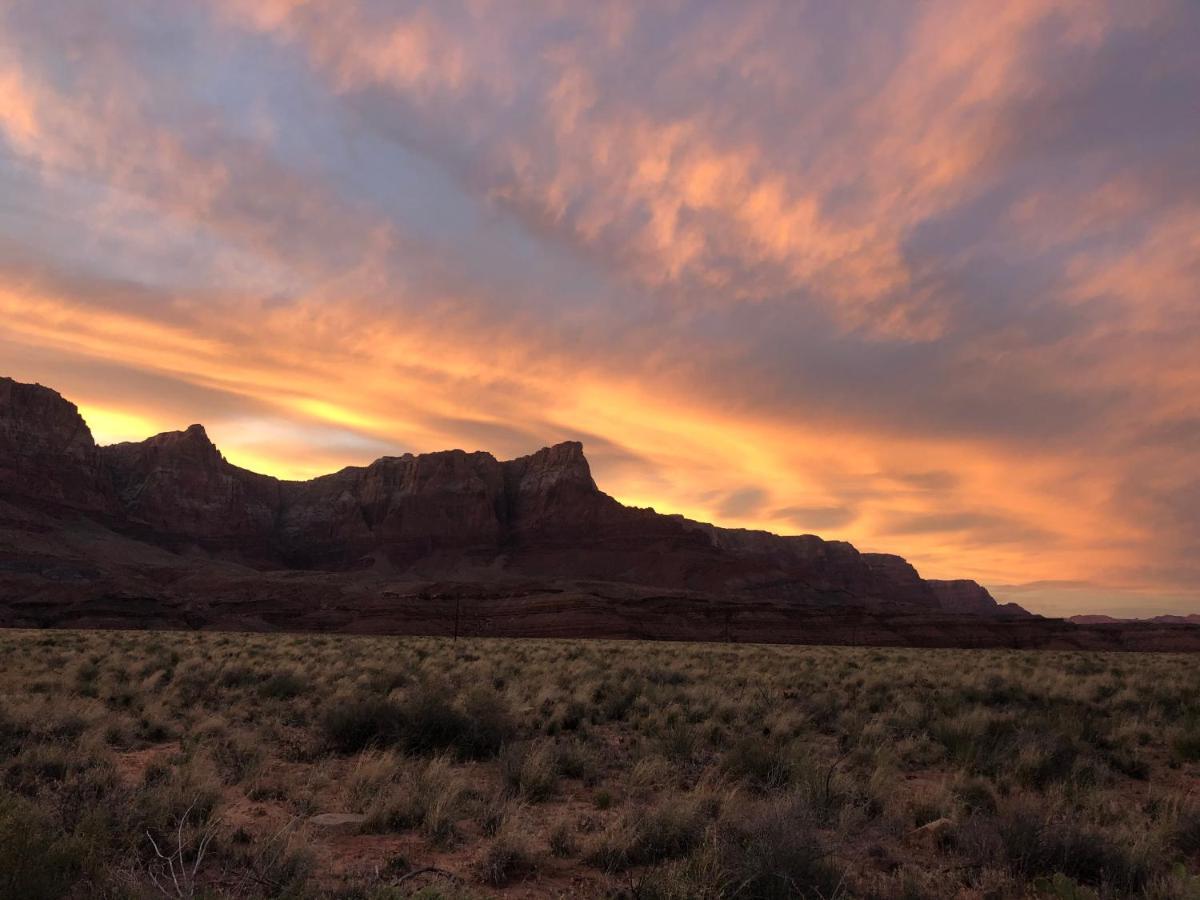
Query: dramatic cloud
[[922, 277]]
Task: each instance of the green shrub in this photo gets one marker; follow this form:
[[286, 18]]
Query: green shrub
[[36, 861], [356, 724], [489, 724], [283, 686], [433, 724]]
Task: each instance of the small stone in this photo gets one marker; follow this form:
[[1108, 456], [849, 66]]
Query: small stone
[[934, 831]]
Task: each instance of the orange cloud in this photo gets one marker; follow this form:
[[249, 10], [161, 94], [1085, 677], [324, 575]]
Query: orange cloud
[[18, 116]]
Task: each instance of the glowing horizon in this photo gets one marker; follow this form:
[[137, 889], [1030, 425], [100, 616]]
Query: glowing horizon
[[923, 279]]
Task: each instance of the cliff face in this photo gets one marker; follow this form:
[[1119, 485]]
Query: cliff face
[[47, 455], [404, 508], [971, 598], [178, 489], [439, 514]]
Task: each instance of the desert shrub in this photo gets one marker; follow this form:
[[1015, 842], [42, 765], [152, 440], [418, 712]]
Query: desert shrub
[[237, 677], [85, 793], [975, 795], [190, 792], [679, 741], [612, 702], [36, 860], [671, 677], [152, 729], [372, 774], [1029, 844], [1185, 834], [236, 757], [576, 761], [770, 850], [283, 686], [530, 771], [697, 876], [916, 736], [494, 811], [351, 725], [978, 740], [667, 830], [61, 727], [1060, 887], [40, 764], [562, 841], [506, 859], [87, 672], [278, 866], [1128, 762], [1185, 743], [573, 716], [489, 724], [13, 733], [1046, 761], [758, 761], [431, 723], [429, 795]]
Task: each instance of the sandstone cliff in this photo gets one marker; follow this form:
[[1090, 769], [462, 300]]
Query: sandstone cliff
[[449, 514]]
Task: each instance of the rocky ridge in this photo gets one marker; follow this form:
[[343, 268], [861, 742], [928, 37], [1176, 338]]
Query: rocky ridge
[[435, 513], [167, 533]]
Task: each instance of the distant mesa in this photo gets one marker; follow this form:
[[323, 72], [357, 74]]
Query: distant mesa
[[167, 532], [1092, 619], [540, 514]]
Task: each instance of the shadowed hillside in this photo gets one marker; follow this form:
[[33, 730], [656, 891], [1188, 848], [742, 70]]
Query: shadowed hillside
[[167, 533]]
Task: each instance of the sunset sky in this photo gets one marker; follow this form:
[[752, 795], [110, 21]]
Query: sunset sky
[[925, 277]]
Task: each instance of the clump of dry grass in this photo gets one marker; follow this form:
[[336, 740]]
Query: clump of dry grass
[[508, 858]]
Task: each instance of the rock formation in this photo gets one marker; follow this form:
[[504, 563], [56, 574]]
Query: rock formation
[[1168, 619], [970, 598], [166, 532], [47, 455], [436, 513]]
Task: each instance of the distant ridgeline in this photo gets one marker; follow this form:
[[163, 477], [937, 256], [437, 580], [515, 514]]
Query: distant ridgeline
[[167, 532]]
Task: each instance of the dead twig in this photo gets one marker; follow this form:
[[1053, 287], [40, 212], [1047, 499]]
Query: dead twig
[[171, 873]]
